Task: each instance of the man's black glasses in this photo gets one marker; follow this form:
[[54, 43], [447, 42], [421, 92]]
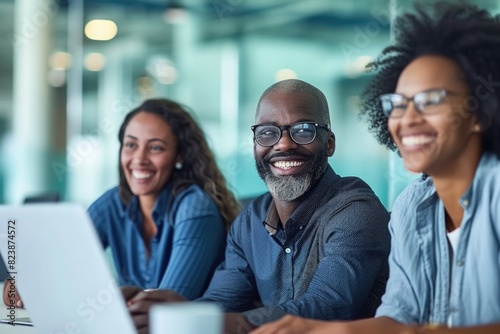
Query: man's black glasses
[[302, 133]]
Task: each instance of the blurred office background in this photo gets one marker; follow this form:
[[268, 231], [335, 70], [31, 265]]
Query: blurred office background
[[67, 81]]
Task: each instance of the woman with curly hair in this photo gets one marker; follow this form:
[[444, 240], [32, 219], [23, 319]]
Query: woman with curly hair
[[435, 98], [166, 222]]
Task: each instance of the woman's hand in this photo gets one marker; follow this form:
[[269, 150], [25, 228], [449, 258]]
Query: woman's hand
[[140, 301], [129, 292]]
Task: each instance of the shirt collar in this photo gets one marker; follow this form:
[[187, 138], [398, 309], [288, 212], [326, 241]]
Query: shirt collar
[[161, 204], [430, 195], [132, 210], [304, 211], [486, 163], [159, 208], [272, 221]]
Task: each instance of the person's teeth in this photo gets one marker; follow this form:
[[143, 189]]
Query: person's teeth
[[141, 175], [416, 140], [287, 164]]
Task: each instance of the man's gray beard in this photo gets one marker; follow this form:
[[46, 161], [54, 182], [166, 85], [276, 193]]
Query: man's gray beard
[[288, 187]]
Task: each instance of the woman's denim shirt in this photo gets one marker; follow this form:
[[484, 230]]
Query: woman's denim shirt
[[419, 289]]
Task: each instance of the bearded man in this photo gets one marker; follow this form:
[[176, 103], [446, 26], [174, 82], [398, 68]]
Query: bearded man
[[316, 245]]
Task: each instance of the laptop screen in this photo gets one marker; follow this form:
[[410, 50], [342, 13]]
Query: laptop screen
[[61, 271]]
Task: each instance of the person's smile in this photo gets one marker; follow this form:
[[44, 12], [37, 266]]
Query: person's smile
[[417, 141], [289, 163], [141, 175]]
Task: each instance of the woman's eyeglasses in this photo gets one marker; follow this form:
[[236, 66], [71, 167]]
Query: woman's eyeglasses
[[302, 133], [394, 105]]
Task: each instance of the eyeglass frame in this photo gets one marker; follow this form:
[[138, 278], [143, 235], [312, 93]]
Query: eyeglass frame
[[281, 128], [443, 93]]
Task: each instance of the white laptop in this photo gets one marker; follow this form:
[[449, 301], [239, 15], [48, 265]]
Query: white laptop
[[61, 271]]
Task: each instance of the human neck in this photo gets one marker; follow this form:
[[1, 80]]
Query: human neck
[[147, 204], [452, 185], [149, 228], [285, 209]]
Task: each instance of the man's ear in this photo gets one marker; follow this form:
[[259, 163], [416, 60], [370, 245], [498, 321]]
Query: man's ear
[[331, 144]]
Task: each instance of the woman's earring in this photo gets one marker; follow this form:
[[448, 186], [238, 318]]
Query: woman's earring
[[178, 165], [477, 127]]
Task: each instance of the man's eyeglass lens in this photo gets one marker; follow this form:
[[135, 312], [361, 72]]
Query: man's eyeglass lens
[[301, 133]]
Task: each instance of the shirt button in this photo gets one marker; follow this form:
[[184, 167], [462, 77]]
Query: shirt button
[[287, 250], [453, 309], [301, 227], [460, 263], [465, 202]]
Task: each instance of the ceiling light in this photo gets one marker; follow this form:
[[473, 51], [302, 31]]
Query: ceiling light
[[101, 30], [94, 61], [175, 13], [60, 61]]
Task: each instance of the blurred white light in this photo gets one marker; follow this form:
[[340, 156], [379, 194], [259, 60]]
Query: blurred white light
[[101, 30], [162, 70], [358, 66], [94, 61], [56, 78], [285, 74], [362, 61], [175, 15], [146, 87], [60, 61]]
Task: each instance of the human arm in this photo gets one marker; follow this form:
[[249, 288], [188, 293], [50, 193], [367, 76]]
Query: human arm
[[233, 285], [405, 299], [382, 325], [198, 235]]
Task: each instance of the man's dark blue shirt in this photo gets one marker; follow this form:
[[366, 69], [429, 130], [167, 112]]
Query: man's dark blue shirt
[[329, 262]]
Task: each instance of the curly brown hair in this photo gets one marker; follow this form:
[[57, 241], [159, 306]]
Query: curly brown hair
[[462, 32], [199, 166]]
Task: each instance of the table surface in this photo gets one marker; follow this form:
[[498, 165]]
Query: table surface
[[20, 313]]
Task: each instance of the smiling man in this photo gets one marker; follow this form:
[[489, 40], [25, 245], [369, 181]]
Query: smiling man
[[316, 245]]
